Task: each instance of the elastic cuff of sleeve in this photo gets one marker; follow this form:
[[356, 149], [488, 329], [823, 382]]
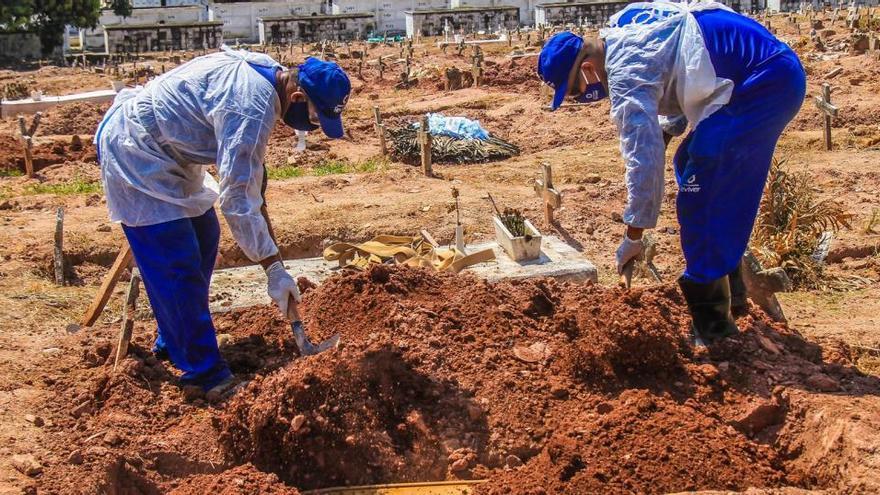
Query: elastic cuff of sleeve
[[274, 267]]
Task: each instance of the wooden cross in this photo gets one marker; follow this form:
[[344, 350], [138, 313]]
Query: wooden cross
[[545, 190], [59, 247], [27, 141], [128, 317], [425, 147], [477, 68], [823, 103]]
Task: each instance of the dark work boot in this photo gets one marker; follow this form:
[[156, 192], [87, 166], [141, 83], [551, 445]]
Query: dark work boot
[[710, 309], [738, 304]]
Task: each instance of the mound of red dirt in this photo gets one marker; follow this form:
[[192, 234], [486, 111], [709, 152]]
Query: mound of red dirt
[[73, 118], [512, 74], [627, 341], [44, 153], [640, 443], [519, 372], [353, 417], [240, 480], [537, 386]]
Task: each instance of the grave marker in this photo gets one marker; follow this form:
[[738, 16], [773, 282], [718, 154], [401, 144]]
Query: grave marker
[[380, 130], [824, 105], [59, 246], [549, 195], [425, 147], [27, 141]]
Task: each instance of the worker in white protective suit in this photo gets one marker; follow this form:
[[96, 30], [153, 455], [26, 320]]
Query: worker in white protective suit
[[666, 66], [154, 145]]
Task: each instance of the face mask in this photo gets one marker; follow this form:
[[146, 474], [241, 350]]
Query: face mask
[[594, 92], [297, 116]]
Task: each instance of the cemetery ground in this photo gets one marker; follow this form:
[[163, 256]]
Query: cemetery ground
[[537, 386]]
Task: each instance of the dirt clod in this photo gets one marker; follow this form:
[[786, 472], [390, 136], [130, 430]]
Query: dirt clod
[[26, 464], [823, 382]]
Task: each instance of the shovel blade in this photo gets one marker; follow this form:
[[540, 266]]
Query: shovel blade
[[305, 345]]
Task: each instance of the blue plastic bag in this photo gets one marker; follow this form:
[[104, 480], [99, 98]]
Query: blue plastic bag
[[455, 127]]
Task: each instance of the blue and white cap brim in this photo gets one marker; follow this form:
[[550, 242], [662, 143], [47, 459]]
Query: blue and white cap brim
[[332, 126], [559, 95]]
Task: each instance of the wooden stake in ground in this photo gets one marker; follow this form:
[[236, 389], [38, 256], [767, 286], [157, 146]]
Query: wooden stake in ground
[[123, 260], [545, 190], [59, 246], [823, 103], [425, 147], [27, 141], [128, 317], [380, 130], [477, 68]]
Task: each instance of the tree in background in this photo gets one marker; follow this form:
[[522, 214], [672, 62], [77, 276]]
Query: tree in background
[[47, 18], [121, 8]]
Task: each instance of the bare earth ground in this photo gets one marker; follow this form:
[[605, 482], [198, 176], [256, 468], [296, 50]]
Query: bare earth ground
[[135, 428]]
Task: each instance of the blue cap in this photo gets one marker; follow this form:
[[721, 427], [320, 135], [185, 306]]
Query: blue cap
[[555, 62], [327, 87]]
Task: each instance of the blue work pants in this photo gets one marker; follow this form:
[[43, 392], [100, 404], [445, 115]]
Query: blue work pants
[[722, 166], [176, 260]]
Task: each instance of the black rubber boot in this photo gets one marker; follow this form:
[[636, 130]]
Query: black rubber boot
[[710, 309], [738, 304]]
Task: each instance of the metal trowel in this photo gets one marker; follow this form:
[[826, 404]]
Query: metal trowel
[[303, 343]]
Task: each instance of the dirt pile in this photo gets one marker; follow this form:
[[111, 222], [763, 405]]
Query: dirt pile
[[74, 118], [45, 153], [513, 73], [241, 480], [525, 383], [350, 418], [629, 341], [640, 443], [585, 387], [136, 427]]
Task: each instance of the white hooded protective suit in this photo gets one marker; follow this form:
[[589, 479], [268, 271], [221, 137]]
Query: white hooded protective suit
[[155, 142], [661, 68]]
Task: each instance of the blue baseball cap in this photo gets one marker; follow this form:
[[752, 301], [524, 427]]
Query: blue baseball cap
[[328, 88], [555, 62]]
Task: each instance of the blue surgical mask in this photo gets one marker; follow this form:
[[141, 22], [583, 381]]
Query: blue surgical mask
[[297, 116], [594, 93]]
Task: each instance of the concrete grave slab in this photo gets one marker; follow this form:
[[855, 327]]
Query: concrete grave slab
[[235, 288]]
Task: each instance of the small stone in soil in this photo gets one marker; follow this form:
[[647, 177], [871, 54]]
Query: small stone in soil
[[459, 465], [822, 382], [297, 422], [112, 438], [591, 178], [26, 464], [193, 392], [75, 457], [35, 420], [512, 461]]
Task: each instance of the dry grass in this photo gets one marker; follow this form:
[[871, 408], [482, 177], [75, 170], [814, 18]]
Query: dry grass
[[791, 224]]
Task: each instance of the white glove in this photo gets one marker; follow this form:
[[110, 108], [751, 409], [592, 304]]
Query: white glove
[[282, 287], [629, 250]]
